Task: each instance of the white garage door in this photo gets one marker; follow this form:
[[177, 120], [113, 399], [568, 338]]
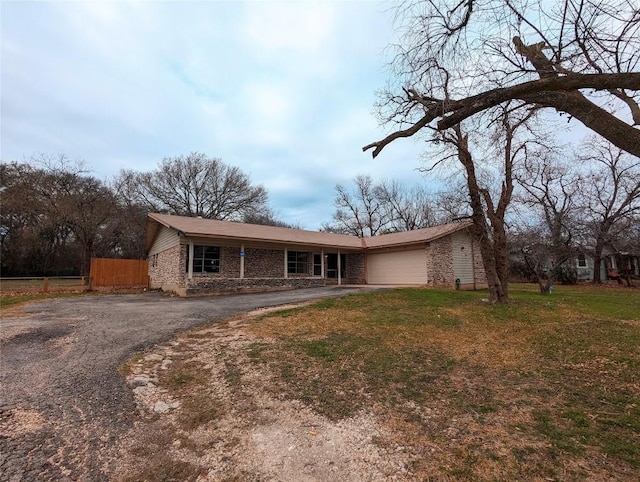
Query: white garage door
[[402, 268]]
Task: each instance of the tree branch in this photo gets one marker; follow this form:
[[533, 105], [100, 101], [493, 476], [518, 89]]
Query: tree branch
[[539, 91]]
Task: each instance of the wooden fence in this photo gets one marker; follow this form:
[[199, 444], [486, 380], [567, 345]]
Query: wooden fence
[[118, 273]]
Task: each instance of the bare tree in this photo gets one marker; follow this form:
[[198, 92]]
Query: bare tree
[[551, 191], [268, 217], [358, 211], [488, 209], [77, 201], [611, 198], [53, 215], [369, 208], [579, 57], [408, 209], [195, 185]]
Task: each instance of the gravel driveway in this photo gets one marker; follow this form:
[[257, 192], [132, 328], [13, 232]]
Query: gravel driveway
[[63, 404]]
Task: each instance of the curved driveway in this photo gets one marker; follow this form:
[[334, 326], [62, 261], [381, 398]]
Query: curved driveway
[[63, 404]]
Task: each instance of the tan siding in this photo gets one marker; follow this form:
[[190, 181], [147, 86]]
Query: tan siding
[[462, 257], [400, 267], [167, 238]]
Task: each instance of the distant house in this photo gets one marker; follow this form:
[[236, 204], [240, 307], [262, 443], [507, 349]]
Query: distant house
[[613, 265], [195, 256]]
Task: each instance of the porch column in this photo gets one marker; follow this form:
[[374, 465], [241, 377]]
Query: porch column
[[286, 258], [190, 268], [322, 273], [241, 261], [339, 270]]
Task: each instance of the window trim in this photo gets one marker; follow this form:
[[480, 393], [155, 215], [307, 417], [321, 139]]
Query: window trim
[[318, 271], [293, 266], [582, 261]]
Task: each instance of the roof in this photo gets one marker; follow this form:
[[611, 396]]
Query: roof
[[416, 236], [213, 228]]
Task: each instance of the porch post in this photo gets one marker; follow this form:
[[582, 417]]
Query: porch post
[[242, 261], [286, 257], [339, 270], [190, 269], [322, 263]]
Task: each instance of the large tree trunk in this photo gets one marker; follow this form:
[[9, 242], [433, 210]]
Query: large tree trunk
[[493, 247], [597, 261]]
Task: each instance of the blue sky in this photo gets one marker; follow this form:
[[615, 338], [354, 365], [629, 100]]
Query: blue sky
[[283, 90]]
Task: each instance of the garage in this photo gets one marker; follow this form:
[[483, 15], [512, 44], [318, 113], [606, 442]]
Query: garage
[[399, 267]]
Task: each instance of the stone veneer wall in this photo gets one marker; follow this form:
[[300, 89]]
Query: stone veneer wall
[[167, 272], [440, 256], [355, 269], [199, 286]]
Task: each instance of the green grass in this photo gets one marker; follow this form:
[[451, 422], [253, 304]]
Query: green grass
[[554, 377], [37, 284], [17, 300], [15, 292]]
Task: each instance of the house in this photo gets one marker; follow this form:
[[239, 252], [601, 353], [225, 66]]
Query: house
[[190, 256], [613, 265]]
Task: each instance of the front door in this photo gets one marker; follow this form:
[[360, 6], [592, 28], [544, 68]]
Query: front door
[[332, 265]]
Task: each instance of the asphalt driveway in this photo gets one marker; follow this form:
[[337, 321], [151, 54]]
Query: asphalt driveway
[[63, 404]]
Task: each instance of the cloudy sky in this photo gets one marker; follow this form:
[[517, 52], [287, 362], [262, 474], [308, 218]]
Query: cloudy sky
[[283, 90]]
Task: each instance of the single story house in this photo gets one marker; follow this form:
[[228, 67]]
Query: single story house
[[191, 256], [613, 265]]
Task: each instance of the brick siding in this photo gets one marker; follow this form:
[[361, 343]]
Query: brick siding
[[263, 263]]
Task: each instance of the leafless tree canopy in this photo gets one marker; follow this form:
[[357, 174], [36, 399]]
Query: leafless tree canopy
[[369, 209], [55, 216], [195, 185], [610, 202], [457, 59]]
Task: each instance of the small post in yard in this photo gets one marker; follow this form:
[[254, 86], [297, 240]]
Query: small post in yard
[[45, 286]]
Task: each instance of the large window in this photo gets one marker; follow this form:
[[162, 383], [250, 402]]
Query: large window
[[297, 262], [206, 259]]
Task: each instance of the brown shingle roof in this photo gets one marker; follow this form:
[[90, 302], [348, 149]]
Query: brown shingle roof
[[415, 236], [211, 228]]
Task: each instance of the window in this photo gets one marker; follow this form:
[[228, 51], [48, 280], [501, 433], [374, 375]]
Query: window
[[206, 259], [297, 262], [582, 261], [317, 264]]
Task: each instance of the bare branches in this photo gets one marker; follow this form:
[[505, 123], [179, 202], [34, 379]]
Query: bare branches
[[556, 57], [452, 112], [197, 185]]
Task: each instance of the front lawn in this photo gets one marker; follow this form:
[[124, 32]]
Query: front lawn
[[545, 388]]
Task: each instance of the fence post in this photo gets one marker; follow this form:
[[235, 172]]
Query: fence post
[[45, 287]]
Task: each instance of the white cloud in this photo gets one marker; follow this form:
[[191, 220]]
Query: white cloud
[[283, 89]]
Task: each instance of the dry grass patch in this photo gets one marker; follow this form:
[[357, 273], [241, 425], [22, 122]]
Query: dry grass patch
[[544, 388]]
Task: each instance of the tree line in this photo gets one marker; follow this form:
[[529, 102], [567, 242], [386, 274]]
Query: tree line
[[55, 216]]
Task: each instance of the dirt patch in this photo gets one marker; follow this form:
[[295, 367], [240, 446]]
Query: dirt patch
[[227, 424], [377, 389], [18, 422]]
